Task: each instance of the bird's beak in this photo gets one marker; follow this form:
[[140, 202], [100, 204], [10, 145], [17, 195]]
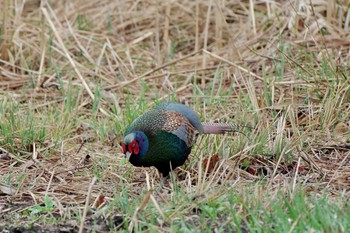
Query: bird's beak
[[128, 154]]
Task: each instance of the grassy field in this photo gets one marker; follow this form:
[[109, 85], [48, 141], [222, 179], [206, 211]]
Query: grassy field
[[75, 74]]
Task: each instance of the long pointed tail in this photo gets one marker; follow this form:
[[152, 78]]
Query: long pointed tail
[[220, 128]]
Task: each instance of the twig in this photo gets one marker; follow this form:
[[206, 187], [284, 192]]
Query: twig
[[156, 69], [233, 64], [35, 159], [81, 228], [70, 59]]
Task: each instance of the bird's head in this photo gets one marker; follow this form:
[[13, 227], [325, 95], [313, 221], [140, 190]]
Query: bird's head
[[135, 145]]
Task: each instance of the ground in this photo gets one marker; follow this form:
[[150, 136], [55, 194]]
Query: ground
[[75, 74]]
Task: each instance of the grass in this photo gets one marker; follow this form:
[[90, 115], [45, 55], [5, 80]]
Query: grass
[[73, 76]]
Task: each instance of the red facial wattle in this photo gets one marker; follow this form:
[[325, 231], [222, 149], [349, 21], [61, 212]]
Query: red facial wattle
[[123, 147], [133, 147], [136, 148]]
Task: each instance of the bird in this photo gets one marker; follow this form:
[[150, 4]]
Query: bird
[[163, 137]]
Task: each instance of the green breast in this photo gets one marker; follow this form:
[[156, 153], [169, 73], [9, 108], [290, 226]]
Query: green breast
[[164, 148]]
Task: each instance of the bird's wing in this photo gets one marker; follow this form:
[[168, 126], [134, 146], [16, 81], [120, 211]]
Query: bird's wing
[[191, 115], [179, 125], [173, 122]]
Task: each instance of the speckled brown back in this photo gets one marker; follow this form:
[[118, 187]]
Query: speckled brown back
[[168, 121]]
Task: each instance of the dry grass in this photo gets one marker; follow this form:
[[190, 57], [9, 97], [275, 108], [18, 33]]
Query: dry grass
[[281, 67]]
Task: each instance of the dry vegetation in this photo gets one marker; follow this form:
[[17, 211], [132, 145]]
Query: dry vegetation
[[72, 71]]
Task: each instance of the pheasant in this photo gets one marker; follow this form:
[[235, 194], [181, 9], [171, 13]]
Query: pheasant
[[163, 136]]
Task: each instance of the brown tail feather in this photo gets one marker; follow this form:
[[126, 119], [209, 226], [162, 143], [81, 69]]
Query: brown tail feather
[[220, 128]]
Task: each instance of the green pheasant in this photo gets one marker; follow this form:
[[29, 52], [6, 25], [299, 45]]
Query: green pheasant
[[163, 136]]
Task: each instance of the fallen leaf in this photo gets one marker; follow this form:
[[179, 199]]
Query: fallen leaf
[[341, 132], [7, 190], [213, 160], [4, 155], [251, 170], [100, 201]]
